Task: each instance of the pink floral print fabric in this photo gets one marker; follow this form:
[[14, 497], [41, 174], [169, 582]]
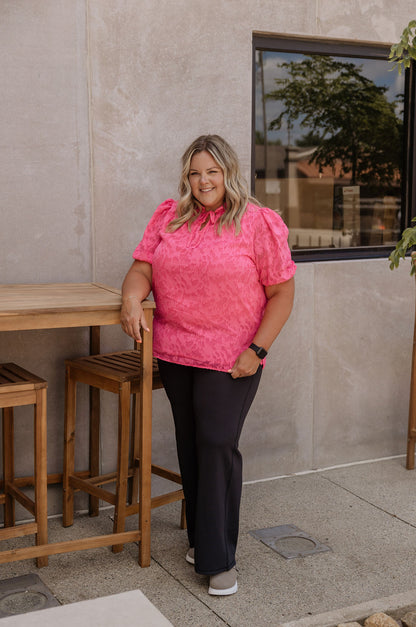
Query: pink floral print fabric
[[209, 288]]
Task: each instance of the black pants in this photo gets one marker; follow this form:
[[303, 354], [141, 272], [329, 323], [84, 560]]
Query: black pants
[[209, 408]]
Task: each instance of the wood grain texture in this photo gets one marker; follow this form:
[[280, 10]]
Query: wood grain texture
[[59, 305]]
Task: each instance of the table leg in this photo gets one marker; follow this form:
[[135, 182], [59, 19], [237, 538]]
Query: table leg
[[145, 477], [8, 465], [94, 423]]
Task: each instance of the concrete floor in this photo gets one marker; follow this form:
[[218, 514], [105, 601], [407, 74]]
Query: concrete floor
[[365, 512]]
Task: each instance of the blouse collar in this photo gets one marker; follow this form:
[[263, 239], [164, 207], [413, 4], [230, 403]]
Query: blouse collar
[[212, 214]]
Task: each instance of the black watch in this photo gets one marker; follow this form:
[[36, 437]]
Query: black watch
[[259, 350]]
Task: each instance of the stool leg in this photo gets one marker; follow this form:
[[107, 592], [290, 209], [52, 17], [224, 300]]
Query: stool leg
[[145, 453], [145, 487], [41, 473], [122, 461], [8, 465], [134, 484], [69, 448], [94, 501]]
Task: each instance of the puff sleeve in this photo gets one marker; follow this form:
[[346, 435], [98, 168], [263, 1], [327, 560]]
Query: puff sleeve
[[152, 234], [271, 250]]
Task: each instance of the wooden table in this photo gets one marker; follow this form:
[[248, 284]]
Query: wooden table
[[63, 305]]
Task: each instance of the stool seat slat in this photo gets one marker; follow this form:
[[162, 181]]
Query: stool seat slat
[[12, 374]]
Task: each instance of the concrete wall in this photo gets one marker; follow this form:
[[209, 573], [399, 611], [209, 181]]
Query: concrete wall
[[99, 99]]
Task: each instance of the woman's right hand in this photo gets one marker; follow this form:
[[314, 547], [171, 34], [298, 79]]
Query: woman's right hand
[[136, 287], [133, 318]]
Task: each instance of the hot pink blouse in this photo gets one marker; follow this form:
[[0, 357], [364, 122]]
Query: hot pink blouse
[[209, 288]]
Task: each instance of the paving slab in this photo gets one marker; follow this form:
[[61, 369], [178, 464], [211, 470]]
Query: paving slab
[[385, 484]]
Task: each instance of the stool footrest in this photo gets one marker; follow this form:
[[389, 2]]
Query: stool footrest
[[85, 485], [24, 482], [164, 499], [110, 477], [171, 475], [157, 501], [54, 548], [21, 497], [18, 531]]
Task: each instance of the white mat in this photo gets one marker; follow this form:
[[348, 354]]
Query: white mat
[[127, 608]]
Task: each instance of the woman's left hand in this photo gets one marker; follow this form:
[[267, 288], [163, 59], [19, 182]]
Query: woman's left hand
[[246, 364]]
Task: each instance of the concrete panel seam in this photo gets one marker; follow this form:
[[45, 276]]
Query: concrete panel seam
[[93, 261]]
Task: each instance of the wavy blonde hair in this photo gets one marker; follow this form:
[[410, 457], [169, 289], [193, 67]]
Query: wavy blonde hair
[[236, 190]]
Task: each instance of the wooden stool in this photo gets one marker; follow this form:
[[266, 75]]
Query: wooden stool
[[117, 373], [19, 387]]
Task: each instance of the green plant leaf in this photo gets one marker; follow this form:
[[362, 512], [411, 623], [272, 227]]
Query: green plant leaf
[[402, 52], [407, 241]]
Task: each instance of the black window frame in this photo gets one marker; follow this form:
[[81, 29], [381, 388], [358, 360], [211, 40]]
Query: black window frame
[[329, 47]]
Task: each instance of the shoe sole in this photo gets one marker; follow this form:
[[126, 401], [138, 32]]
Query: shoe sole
[[225, 592]]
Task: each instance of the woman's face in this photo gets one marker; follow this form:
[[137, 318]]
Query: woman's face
[[207, 181]]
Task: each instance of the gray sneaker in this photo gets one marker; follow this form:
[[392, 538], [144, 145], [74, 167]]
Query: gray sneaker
[[190, 556], [224, 583]]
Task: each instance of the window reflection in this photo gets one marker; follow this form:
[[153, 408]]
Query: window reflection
[[328, 148]]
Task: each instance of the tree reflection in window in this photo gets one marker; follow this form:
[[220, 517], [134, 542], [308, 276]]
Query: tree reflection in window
[[329, 145]]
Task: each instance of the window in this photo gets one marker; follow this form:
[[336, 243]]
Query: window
[[328, 145]]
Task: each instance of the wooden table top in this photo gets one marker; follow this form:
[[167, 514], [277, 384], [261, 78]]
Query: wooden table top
[[57, 305]]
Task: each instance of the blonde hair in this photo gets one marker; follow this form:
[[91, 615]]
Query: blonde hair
[[236, 190]]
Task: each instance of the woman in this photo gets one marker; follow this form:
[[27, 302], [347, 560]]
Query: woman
[[222, 279]]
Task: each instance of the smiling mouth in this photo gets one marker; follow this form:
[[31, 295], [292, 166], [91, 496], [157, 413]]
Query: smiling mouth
[[207, 190]]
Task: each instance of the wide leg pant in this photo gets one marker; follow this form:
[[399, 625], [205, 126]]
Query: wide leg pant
[[209, 408]]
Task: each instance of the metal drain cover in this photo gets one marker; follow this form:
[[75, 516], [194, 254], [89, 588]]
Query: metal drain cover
[[27, 593], [289, 541]]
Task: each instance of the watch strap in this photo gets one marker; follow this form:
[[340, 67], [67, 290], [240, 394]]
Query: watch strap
[[259, 350]]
